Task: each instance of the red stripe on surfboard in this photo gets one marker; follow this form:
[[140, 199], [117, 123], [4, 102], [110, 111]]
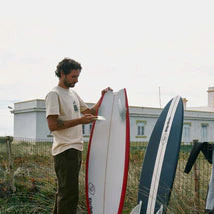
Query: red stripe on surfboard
[[126, 164], [87, 158]]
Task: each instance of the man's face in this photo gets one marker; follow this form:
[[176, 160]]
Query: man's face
[[71, 79]]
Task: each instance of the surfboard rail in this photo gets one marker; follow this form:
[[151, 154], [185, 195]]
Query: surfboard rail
[[126, 165], [87, 158]]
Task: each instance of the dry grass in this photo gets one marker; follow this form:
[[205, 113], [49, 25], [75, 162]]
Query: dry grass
[[36, 183]]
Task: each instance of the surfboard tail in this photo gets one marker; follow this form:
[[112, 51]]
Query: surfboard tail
[[137, 209]]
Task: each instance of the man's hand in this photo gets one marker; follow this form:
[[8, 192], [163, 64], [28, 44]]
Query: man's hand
[[105, 90], [94, 109], [88, 118], [54, 123]]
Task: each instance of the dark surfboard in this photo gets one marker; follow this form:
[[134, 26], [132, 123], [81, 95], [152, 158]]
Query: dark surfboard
[[160, 161]]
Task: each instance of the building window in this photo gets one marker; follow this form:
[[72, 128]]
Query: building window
[[83, 129], [91, 126], [140, 128], [186, 133], [204, 132]]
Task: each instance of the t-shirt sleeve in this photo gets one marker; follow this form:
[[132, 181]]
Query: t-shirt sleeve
[[83, 105], [52, 104]]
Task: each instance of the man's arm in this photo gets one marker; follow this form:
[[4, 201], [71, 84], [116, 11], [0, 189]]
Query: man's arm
[[54, 123], [94, 109]]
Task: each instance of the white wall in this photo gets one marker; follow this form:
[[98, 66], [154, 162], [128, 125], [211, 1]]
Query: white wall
[[25, 125], [42, 130]]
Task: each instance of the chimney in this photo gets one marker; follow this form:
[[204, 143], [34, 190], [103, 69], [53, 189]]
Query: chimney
[[210, 96], [185, 103]]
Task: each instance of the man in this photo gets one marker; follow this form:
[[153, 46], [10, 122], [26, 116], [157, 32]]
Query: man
[[63, 113]]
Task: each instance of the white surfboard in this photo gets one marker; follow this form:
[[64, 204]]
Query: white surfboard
[[108, 156]]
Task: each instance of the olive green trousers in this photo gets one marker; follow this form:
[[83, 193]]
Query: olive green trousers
[[67, 166]]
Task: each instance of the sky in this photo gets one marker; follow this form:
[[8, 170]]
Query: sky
[[142, 46]]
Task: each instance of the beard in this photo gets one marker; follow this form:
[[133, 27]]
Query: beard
[[68, 84]]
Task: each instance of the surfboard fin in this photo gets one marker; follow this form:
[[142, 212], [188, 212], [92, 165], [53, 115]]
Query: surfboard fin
[[160, 211], [137, 209]]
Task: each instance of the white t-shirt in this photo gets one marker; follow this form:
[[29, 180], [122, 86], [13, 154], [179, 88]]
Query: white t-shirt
[[68, 105]]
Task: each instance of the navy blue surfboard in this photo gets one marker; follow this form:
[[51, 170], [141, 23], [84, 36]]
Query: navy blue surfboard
[[160, 161]]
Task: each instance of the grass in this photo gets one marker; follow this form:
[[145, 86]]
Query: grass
[[36, 183]]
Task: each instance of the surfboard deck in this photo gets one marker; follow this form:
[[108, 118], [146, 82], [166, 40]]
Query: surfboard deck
[[108, 156], [160, 161]]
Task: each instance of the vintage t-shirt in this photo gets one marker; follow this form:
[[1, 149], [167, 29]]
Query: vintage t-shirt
[[68, 105]]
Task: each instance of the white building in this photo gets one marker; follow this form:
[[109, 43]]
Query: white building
[[30, 121]]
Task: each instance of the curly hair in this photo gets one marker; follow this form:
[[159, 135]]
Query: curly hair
[[66, 66]]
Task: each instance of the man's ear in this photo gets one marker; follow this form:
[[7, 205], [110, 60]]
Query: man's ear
[[62, 74]]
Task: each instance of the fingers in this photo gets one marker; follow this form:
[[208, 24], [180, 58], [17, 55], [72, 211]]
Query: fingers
[[106, 89], [93, 117], [110, 89], [88, 118]]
